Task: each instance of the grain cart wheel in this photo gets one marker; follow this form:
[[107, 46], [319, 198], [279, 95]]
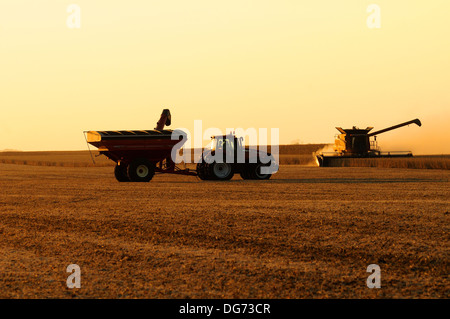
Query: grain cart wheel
[[257, 174], [141, 170], [120, 172], [221, 171]]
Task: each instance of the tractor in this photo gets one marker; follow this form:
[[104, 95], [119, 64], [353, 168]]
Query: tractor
[[228, 156]]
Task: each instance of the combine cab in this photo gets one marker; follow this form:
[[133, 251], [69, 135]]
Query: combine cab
[[140, 154], [356, 143]]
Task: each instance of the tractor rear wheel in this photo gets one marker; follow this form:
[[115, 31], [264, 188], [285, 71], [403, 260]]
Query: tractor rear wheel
[[120, 172], [221, 171], [141, 170]]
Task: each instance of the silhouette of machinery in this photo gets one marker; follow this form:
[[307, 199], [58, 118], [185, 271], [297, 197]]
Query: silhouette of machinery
[[357, 143]]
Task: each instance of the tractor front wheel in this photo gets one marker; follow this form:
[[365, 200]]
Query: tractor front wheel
[[253, 171], [258, 174]]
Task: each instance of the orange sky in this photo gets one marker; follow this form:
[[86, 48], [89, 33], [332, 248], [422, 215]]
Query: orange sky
[[301, 66]]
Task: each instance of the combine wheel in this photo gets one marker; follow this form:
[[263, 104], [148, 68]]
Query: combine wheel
[[221, 171], [141, 170], [120, 172]]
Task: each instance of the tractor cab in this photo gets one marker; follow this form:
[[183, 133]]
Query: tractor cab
[[226, 143]]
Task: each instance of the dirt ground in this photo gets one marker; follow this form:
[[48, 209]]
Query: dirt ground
[[308, 232]]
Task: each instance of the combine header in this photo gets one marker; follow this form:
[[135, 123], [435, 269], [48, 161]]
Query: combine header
[[356, 143], [140, 154]]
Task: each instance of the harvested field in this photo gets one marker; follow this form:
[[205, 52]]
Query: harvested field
[[308, 232], [57, 158]]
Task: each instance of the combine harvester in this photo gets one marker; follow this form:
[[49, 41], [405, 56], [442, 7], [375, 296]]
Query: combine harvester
[[140, 154], [356, 143]]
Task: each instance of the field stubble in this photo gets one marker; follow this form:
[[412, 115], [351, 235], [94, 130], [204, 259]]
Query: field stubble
[[307, 233]]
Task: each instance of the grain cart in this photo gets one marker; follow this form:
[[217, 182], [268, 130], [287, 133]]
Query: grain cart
[[139, 154], [356, 143]]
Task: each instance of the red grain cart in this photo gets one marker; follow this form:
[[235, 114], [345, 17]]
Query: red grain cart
[[139, 154]]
